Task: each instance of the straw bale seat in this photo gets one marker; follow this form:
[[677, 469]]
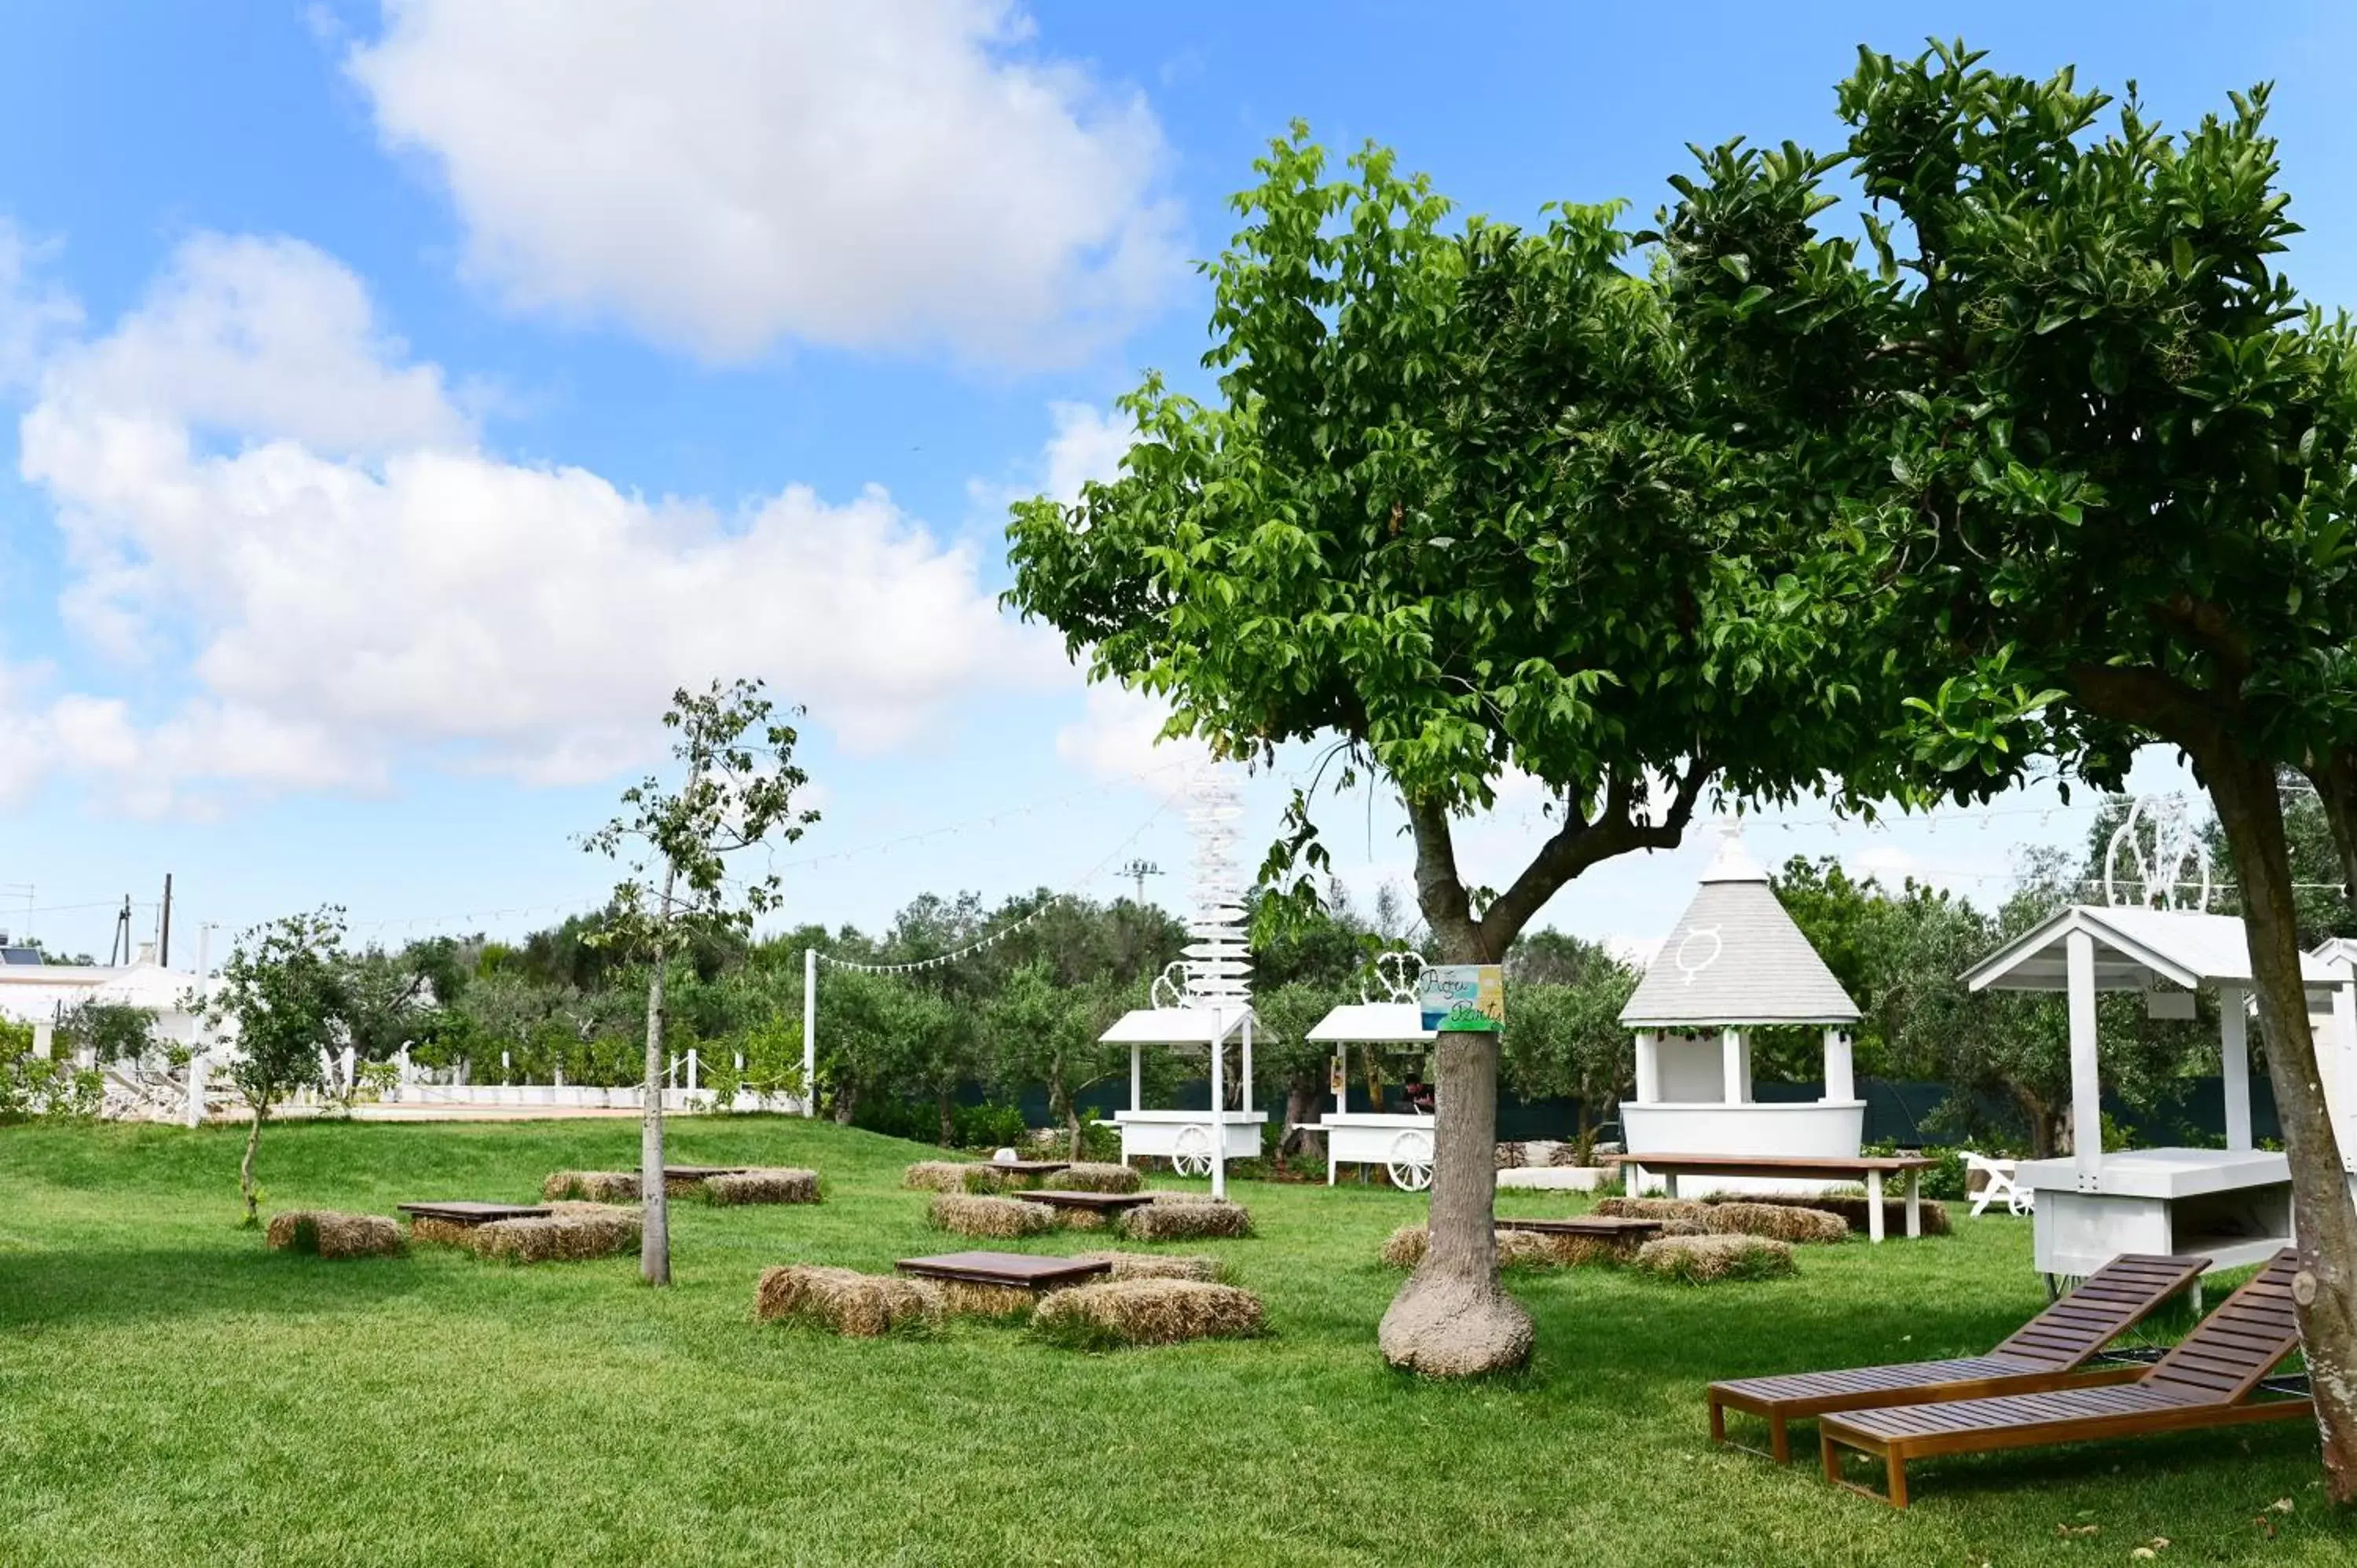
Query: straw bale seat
[[1146, 1312], [846, 1300]]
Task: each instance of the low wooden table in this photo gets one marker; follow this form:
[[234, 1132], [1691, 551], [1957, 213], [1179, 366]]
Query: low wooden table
[[470, 1213], [701, 1173], [1020, 1269], [1095, 1202], [1869, 1169], [1602, 1227], [1026, 1167]]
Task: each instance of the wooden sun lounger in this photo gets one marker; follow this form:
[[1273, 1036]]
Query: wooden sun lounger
[[2050, 1351], [2206, 1380]]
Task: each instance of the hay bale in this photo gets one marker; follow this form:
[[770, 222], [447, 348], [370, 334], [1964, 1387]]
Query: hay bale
[[558, 1237], [968, 1298], [591, 1186], [1684, 1228], [937, 1175], [1852, 1208], [292, 1232], [356, 1235], [971, 1216], [1191, 1219], [1157, 1266], [1091, 1176], [1405, 1248], [845, 1300], [1778, 1221], [632, 1210], [1651, 1208], [989, 1176], [1146, 1312], [1704, 1260], [776, 1184], [1082, 1218], [440, 1232]]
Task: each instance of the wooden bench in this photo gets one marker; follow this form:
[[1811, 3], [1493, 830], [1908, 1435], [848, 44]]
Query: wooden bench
[[1869, 1169], [1602, 1227], [2206, 1380], [2051, 1350], [1019, 1270]]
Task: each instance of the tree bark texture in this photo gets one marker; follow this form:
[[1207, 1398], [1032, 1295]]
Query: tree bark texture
[[2336, 786], [1305, 1098], [654, 1239], [2250, 808]]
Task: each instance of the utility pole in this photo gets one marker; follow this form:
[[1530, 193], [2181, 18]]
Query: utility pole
[[164, 927], [1139, 871], [119, 950]]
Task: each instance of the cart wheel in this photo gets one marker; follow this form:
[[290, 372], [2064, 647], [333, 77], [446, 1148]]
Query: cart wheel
[[1190, 1152], [1411, 1161]]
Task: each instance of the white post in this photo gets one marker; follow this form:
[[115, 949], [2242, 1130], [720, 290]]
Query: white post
[[1246, 1070], [1137, 1078], [1219, 1110], [809, 1031], [1730, 1054], [1341, 1090], [2235, 1059], [44, 1040], [2086, 1082], [1874, 1204], [2344, 1037], [196, 1088], [691, 1066], [1649, 1068], [1841, 1079]]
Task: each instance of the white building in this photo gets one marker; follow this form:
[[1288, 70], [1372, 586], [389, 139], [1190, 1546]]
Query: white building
[[44, 992]]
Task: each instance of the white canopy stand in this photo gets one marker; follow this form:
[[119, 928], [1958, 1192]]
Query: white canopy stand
[[1401, 1141], [1735, 962], [1194, 1142], [2231, 1205]]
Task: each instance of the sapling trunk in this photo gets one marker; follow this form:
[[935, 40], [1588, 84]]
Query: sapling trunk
[[654, 1238], [2250, 810], [245, 1167]]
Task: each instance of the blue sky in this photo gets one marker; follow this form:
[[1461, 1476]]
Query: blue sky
[[402, 400]]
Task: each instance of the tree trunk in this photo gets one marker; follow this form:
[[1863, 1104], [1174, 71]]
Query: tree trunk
[[949, 1123], [245, 1169], [1305, 1098], [2250, 810], [846, 1104], [1452, 1318], [2336, 786], [655, 1240]]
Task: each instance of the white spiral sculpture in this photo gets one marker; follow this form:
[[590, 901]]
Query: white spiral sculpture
[[2161, 873]]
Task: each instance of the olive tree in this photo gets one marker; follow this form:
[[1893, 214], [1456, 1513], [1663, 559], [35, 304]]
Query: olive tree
[[283, 990], [1461, 510], [737, 791]]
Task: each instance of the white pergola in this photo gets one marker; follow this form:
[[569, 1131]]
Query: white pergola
[[1212, 1136], [2232, 1205], [1400, 1142]]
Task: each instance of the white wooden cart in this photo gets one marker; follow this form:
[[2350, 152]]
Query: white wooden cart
[[1196, 1143], [1400, 1142]]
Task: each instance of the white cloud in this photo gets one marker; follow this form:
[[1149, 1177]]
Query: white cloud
[[723, 175], [1118, 736], [33, 311], [353, 584]]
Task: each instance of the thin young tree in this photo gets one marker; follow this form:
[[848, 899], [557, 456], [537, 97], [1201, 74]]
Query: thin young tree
[[737, 791], [282, 989]]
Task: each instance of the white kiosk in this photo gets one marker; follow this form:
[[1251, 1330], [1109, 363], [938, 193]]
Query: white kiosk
[[1202, 999], [1734, 962], [1401, 1141], [2233, 1205]]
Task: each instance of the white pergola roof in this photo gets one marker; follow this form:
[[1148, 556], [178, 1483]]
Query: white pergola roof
[[1373, 1024], [2133, 946], [1176, 1025]]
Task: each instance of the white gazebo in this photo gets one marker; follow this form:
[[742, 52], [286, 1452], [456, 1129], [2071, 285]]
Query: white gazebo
[[1401, 1141], [2231, 1205], [1735, 962], [1203, 999]]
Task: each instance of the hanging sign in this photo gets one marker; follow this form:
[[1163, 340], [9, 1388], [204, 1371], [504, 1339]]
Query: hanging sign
[[1462, 997]]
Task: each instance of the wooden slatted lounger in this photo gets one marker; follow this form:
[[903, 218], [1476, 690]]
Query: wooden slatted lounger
[[2206, 1380], [2050, 1351]]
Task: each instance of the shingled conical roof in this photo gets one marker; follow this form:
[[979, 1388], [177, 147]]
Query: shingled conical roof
[[1734, 957]]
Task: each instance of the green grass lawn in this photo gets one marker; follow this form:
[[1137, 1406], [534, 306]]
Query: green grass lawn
[[170, 1394]]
